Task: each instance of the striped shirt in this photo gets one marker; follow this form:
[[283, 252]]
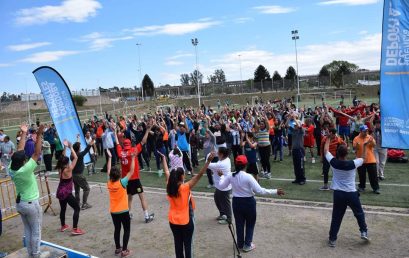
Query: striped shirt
[[175, 161], [263, 138]]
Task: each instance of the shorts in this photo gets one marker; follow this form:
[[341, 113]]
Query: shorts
[[344, 130], [134, 187], [252, 168]]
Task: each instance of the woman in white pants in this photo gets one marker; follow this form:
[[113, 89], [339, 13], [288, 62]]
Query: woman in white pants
[[380, 153]]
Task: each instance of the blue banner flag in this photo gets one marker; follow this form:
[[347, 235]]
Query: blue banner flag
[[395, 75], [58, 99]]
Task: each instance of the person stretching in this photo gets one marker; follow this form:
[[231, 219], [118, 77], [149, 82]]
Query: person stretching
[[181, 206], [244, 205], [64, 190], [118, 203], [345, 193]]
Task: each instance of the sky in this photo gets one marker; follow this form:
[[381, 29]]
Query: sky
[[94, 42]]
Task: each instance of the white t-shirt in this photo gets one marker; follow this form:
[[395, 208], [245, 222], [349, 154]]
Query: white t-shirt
[[344, 171], [89, 140], [223, 166], [244, 185]]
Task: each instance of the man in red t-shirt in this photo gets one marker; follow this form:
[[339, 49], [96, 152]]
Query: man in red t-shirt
[[134, 184]]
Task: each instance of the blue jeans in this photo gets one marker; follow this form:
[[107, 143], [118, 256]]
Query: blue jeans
[[341, 201], [245, 213], [278, 146]]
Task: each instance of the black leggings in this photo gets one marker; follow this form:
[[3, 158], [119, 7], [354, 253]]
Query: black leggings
[[183, 235], [124, 220], [70, 200], [186, 161], [265, 158]]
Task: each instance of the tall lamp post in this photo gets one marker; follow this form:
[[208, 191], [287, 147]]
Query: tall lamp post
[[295, 37], [194, 43], [140, 68], [241, 75]]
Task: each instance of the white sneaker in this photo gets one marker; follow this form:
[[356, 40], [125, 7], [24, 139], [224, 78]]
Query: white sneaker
[[247, 249], [209, 186], [313, 160]]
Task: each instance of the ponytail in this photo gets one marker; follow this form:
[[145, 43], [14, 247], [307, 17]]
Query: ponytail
[[238, 169], [175, 179]]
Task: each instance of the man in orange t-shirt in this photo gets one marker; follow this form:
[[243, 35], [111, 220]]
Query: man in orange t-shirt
[[271, 123], [369, 161]]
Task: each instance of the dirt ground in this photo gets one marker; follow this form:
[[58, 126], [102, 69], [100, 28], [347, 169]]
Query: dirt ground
[[281, 231]]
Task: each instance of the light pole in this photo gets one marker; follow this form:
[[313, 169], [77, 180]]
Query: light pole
[[241, 75], [194, 43], [140, 68], [295, 37]]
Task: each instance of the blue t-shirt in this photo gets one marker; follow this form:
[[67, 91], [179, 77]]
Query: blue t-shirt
[[182, 141], [291, 125]]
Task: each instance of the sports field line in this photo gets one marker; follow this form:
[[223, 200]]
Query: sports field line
[[393, 211], [273, 179]]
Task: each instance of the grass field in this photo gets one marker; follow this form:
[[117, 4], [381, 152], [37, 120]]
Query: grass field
[[394, 190]]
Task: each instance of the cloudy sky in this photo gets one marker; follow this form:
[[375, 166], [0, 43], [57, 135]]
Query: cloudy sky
[[93, 42]]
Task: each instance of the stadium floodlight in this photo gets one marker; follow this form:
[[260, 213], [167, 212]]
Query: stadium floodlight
[[295, 37], [140, 68], [195, 42]]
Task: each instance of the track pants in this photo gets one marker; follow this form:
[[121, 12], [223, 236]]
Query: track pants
[[183, 236]]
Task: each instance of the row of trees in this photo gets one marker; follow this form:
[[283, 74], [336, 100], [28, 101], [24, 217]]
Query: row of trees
[[6, 97], [218, 76]]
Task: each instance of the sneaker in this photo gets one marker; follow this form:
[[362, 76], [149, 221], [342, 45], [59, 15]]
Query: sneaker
[[295, 182], [150, 218], [160, 172], [223, 222], [130, 216], [376, 191], [381, 178], [305, 159], [189, 173], [222, 217], [324, 188], [247, 249], [118, 251], [64, 228], [77, 232], [313, 161], [364, 235], [86, 206], [267, 176], [361, 189], [302, 183], [209, 186], [331, 243], [125, 253]]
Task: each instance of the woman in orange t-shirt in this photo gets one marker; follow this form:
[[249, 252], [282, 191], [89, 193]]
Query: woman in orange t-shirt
[[181, 218], [118, 203]]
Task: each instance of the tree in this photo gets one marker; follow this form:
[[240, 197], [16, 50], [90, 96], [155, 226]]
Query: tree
[[194, 76], [148, 86], [212, 78], [277, 76], [324, 72], [79, 100], [290, 74], [220, 76], [338, 69], [261, 74], [185, 79]]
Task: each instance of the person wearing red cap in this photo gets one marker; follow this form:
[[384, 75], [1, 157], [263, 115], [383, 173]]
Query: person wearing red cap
[[134, 184], [244, 186]]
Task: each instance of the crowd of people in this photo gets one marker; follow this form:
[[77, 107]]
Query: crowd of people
[[252, 136]]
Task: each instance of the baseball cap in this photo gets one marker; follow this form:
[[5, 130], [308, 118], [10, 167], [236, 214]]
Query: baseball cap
[[363, 128], [127, 144], [241, 160]]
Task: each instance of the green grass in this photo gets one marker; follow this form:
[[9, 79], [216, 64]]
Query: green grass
[[391, 196]]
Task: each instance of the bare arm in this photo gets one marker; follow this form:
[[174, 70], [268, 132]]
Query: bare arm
[[109, 162], [145, 137], [74, 156], [196, 178], [165, 166], [23, 137], [39, 142]]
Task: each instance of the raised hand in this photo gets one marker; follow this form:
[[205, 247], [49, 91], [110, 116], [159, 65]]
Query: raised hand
[[40, 130], [24, 127], [66, 143]]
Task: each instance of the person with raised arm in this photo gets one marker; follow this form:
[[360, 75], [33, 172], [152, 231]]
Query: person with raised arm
[[244, 186], [64, 190], [181, 206], [27, 202], [134, 185], [345, 193], [118, 203]]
